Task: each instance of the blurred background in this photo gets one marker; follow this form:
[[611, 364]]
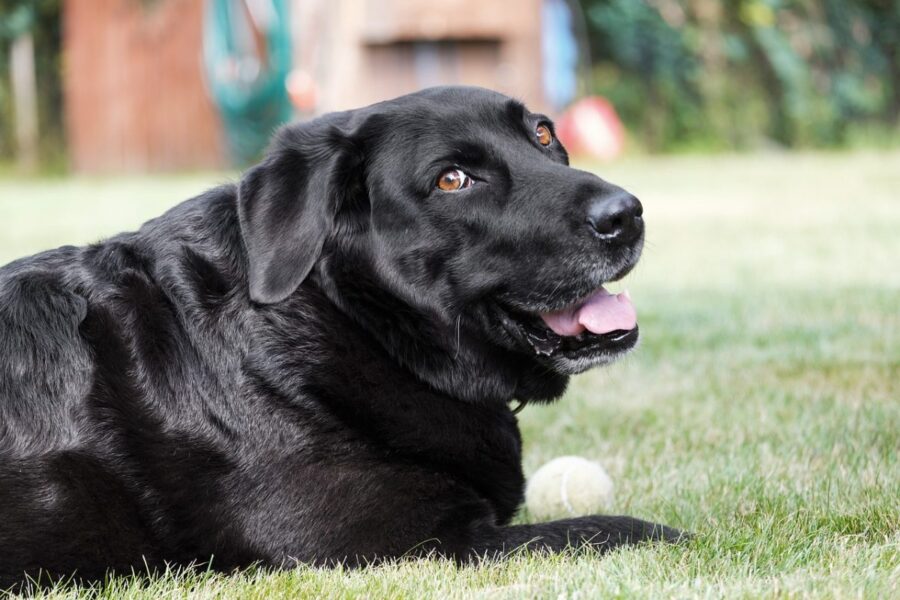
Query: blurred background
[[762, 137], [173, 85]]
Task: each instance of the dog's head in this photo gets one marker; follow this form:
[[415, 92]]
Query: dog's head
[[456, 205]]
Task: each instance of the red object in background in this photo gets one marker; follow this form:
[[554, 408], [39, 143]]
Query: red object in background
[[591, 127], [302, 90]]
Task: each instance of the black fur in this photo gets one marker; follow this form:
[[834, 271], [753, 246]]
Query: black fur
[[314, 365]]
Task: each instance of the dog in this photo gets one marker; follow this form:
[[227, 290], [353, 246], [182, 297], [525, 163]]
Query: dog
[[316, 364]]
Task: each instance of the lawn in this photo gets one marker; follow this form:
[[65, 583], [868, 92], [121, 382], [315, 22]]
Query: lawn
[[761, 411]]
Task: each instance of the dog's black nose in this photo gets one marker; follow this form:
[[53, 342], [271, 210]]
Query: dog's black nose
[[616, 216]]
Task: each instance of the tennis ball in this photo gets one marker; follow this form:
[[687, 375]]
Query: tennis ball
[[568, 486]]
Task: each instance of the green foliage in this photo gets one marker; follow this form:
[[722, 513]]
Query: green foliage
[[42, 18], [741, 73], [684, 74]]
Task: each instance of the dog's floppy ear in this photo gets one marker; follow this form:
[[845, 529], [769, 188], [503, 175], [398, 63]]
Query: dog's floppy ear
[[287, 204]]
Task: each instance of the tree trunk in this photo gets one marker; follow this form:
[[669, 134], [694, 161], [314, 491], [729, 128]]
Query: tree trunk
[[24, 87]]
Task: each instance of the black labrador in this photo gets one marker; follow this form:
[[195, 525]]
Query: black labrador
[[315, 365]]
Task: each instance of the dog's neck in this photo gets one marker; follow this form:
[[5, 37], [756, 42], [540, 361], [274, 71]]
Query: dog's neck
[[447, 354]]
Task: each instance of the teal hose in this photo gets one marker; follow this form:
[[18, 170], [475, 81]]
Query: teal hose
[[246, 67]]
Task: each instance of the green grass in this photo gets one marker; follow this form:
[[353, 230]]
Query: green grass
[[762, 410]]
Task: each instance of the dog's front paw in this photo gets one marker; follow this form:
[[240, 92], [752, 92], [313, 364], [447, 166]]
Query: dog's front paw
[[628, 530], [645, 531]]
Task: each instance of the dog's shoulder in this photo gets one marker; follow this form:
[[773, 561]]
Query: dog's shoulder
[[60, 308]]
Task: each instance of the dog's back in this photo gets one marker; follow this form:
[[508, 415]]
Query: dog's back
[[101, 347]]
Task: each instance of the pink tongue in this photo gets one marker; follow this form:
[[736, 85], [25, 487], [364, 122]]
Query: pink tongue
[[600, 313]]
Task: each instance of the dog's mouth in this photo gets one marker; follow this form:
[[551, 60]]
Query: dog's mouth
[[600, 313], [595, 329]]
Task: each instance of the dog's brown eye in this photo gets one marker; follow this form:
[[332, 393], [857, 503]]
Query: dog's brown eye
[[543, 135], [453, 180]]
